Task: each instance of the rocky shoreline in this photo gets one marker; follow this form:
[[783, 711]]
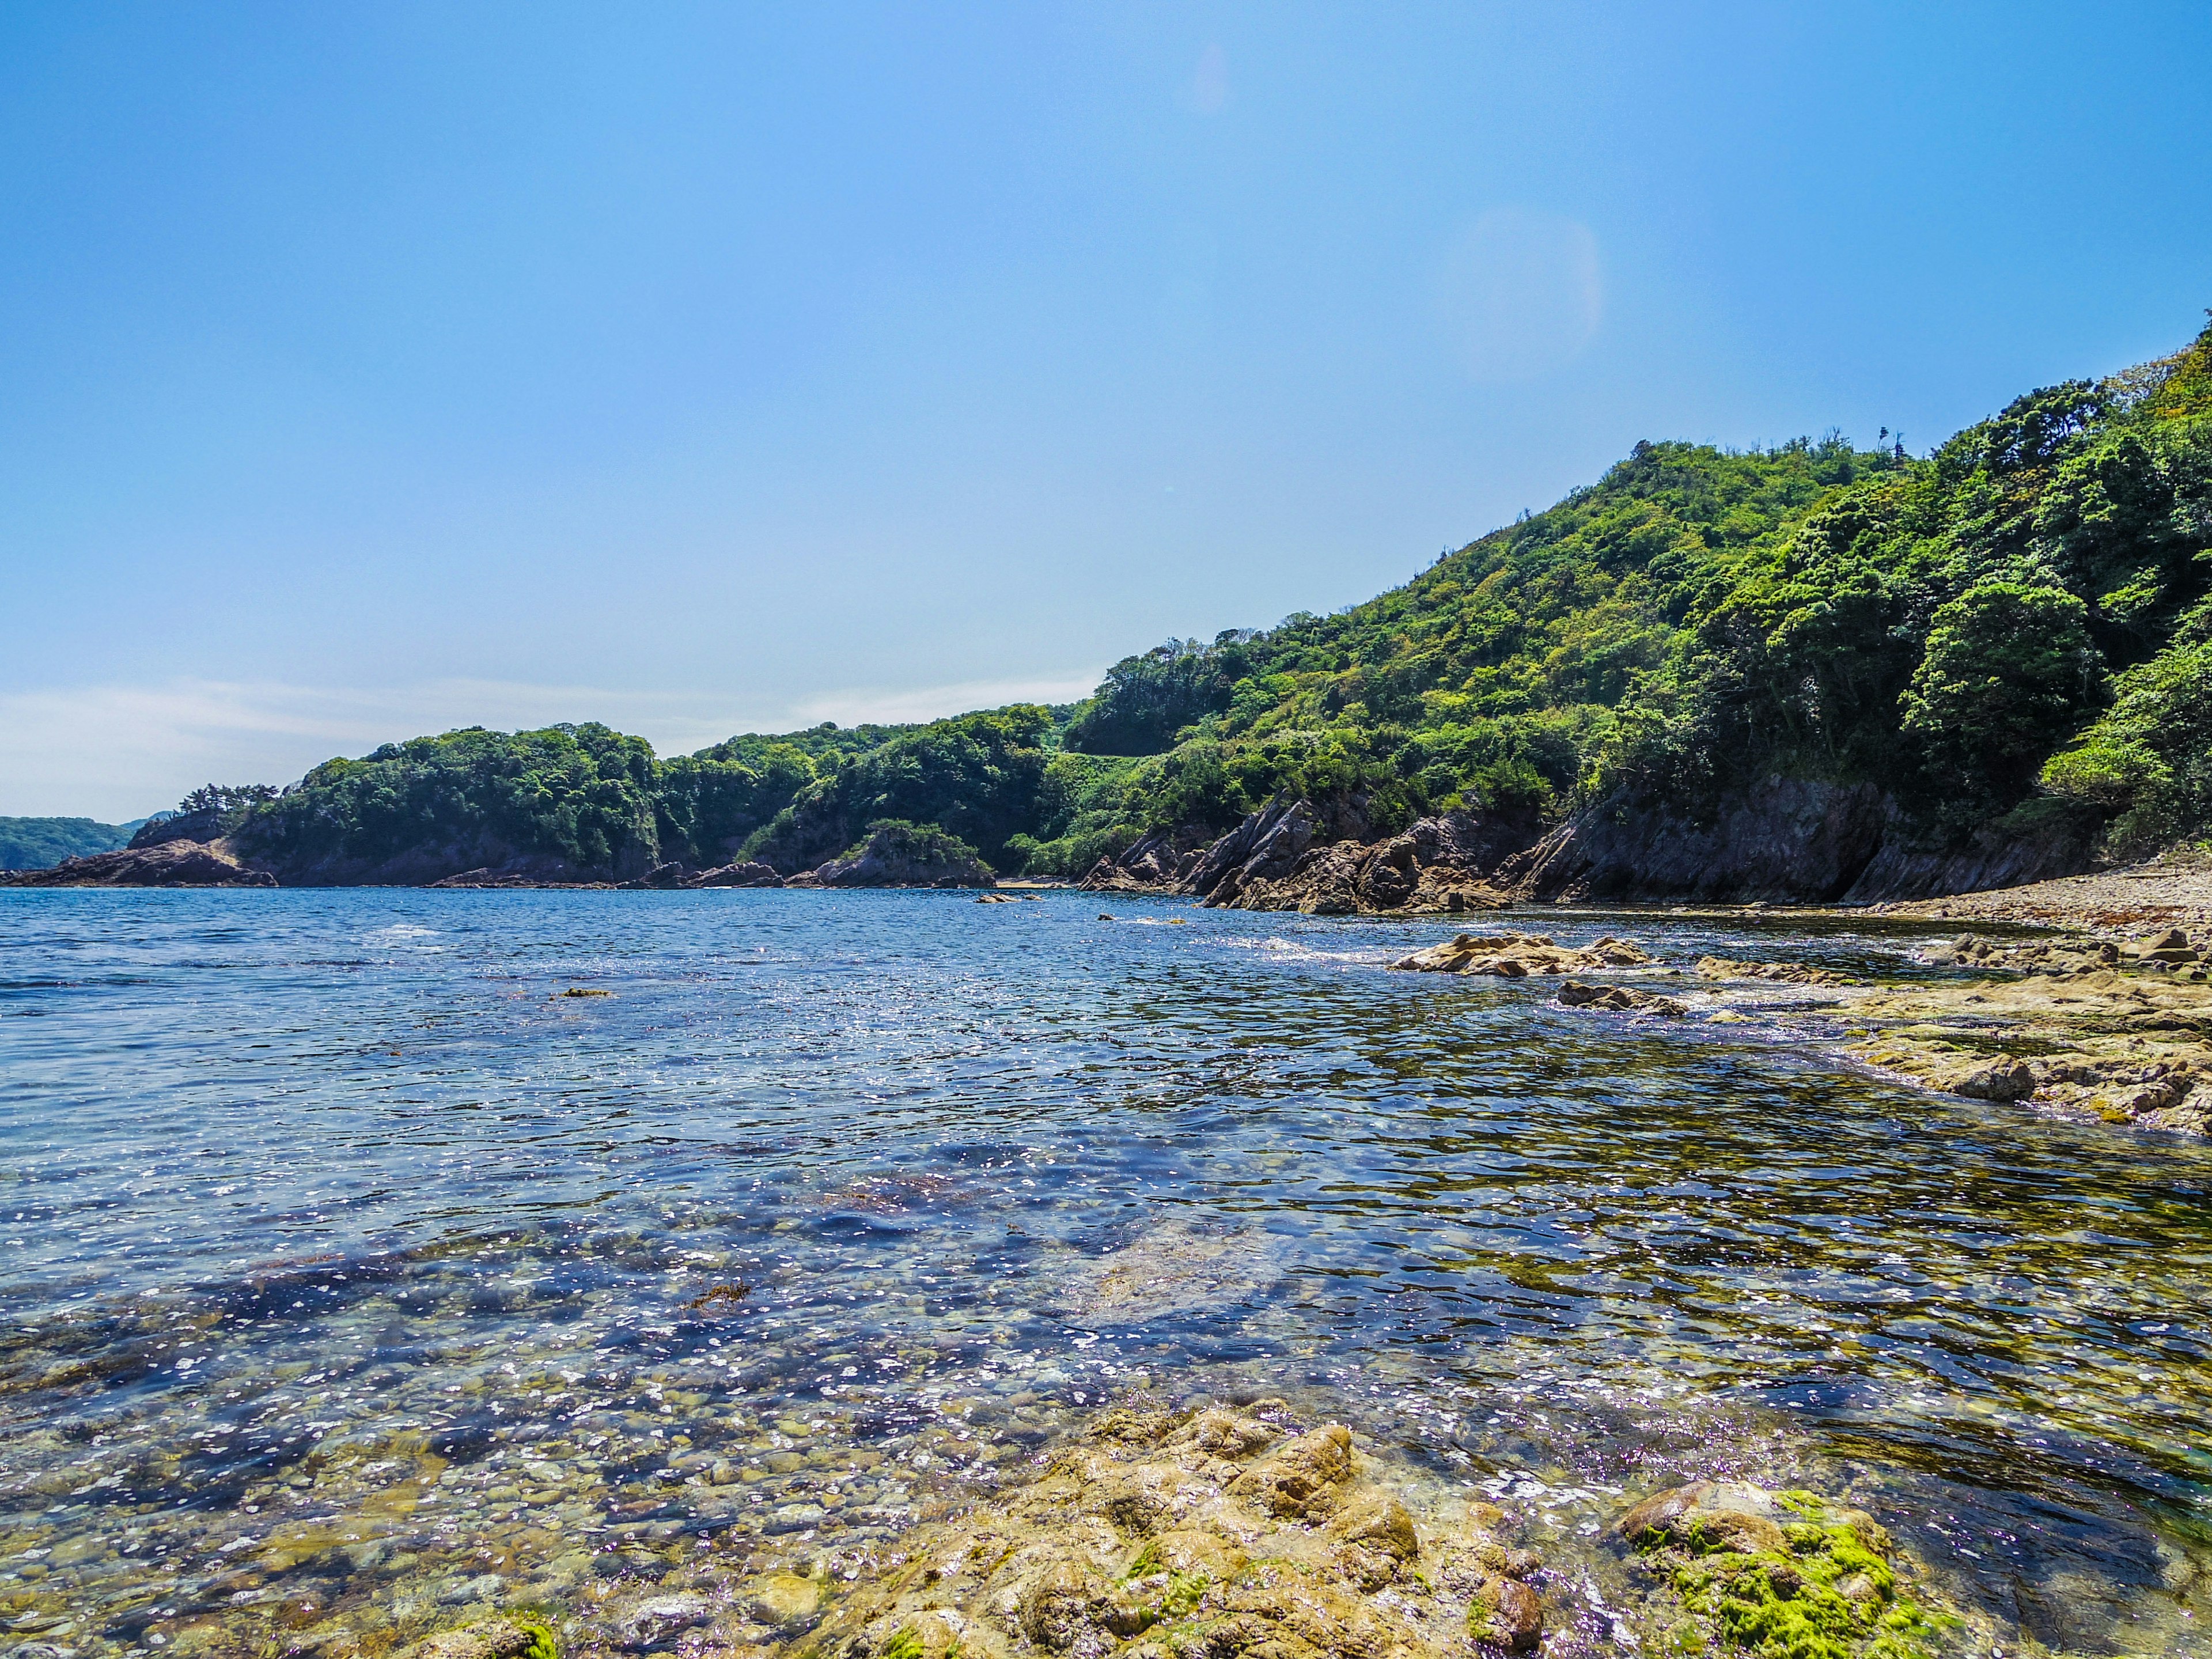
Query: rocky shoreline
[[2119, 1032], [1242, 1532]]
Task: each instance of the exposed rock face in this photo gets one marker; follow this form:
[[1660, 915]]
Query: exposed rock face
[[1517, 956], [1222, 1534], [751, 874], [1156, 864], [1322, 857], [1793, 841], [1618, 999], [162, 864], [894, 856], [1787, 973], [205, 826]]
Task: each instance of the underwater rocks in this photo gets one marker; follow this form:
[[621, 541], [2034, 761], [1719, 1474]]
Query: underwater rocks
[[491, 1639], [1521, 955], [1220, 1533], [1778, 1574], [1175, 1268]]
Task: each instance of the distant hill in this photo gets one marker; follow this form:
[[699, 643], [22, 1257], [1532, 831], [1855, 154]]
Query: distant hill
[[41, 844], [1811, 657]]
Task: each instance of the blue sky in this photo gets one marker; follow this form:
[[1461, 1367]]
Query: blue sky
[[378, 369]]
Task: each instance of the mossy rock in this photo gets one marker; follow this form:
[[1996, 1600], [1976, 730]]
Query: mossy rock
[[1780, 1575], [490, 1638]]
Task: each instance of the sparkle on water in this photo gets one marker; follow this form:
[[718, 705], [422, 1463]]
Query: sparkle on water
[[356, 1280]]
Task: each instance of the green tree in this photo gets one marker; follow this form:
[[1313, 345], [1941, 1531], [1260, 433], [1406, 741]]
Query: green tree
[[2009, 671]]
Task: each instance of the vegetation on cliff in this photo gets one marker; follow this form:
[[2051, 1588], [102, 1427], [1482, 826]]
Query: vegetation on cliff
[[2013, 631]]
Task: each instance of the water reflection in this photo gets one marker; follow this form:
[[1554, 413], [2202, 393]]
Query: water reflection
[[357, 1279]]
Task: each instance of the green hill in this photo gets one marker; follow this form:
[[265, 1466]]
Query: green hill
[[2010, 637], [41, 844]]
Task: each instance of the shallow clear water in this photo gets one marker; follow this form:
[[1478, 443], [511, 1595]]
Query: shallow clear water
[[353, 1279]]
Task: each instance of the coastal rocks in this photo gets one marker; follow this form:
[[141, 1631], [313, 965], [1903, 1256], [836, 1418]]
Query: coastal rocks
[[1778, 1574], [490, 1638], [1277, 860], [2130, 1049], [1155, 864], [1520, 956], [1222, 1533], [896, 854], [161, 864], [2165, 950], [1618, 999], [1323, 858], [751, 873], [1787, 973], [1789, 840]]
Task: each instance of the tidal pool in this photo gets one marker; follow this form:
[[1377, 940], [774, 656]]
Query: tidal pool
[[357, 1281]]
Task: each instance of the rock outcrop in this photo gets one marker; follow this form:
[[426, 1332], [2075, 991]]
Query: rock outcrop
[[1520, 956], [751, 873], [1323, 858], [901, 855], [160, 864], [2132, 1047], [1792, 841], [1618, 999], [1786, 973], [1778, 1575], [1222, 1533]]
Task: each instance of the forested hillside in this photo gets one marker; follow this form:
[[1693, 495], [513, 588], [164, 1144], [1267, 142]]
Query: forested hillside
[[38, 843], [2011, 634]]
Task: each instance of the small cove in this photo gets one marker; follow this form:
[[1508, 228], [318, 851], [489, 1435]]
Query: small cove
[[355, 1279]]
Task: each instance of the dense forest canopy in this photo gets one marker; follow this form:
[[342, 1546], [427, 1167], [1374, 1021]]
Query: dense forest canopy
[[2014, 627], [41, 844]]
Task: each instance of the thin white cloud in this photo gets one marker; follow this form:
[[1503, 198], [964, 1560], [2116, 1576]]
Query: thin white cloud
[[117, 752]]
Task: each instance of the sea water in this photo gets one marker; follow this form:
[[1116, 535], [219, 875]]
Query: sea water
[[365, 1267]]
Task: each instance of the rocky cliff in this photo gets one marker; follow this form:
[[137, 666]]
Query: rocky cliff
[[1790, 841], [1325, 858]]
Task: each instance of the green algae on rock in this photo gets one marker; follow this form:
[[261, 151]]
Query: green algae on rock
[[1781, 1575], [490, 1638], [1218, 1533]]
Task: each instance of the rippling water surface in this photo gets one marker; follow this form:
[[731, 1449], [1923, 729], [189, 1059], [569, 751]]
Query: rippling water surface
[[357, 1277]]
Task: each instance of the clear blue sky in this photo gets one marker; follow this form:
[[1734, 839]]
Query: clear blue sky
[[372, 369]]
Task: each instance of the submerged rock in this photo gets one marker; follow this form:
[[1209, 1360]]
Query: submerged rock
[[488, 1639], [1780, 1575], [1220, 1533]]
